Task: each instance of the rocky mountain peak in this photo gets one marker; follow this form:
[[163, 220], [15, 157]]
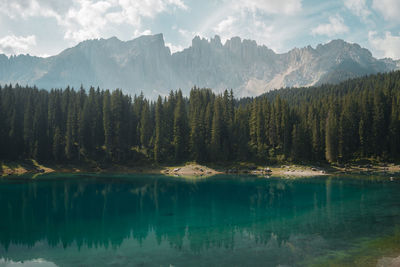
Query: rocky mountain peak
[[216, 41], [146, 64], [157, 40]]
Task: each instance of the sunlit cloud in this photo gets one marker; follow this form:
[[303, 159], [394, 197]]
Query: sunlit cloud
[[334, 27], [388, 45], [12, 44]]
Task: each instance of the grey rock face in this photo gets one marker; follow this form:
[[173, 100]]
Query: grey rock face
[[146, 64]]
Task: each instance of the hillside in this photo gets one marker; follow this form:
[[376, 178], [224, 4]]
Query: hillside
[[356, 119], [146, 64]]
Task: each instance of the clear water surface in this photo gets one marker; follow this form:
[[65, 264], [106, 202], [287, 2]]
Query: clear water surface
[[153, 220]]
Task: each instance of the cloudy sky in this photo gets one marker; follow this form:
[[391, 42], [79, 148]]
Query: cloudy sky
[[46, 27]]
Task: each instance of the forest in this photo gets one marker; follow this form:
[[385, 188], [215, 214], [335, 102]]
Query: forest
[[356, 119]]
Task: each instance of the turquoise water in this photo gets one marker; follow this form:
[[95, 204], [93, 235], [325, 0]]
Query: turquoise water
[[153, 220]]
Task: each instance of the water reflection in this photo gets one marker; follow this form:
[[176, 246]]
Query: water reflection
[[288, 220]]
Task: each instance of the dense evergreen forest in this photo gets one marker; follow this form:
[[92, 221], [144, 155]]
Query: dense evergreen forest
[[359, 118]]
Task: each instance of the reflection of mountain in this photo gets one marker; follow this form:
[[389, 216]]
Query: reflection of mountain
[[206, 216]]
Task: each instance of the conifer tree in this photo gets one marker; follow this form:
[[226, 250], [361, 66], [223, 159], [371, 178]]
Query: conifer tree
[[57, 144], [158, 139], [107, 124], [260, 131], [253, 127], [28, 127], [316, 137], [145, 125], [180, 129], [394, 129], [357, 118], [216, 131], [331, 137], [2, 127], [378, 125], [70, 138], [40, 133]]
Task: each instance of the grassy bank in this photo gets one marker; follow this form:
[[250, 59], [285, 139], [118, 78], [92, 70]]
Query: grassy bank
[[30, 166]]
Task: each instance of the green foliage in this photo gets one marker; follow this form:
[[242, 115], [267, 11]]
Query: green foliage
[[331, 136], [57, 145], [180, 130], [107, 124], [159, 131], [337, 123]]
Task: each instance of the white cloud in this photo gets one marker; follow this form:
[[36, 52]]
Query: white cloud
[[390, 9], [178, 3], [249, 26], [189, 35], [90, 18], [86, 19], [335, 26], [387, 46], [358, 7], [131, 11], [270, 22], [288, 7], [12, 44], [138, 33], [174, 48], [225, 25], [27, 8]]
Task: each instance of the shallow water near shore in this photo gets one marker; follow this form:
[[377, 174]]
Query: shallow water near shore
[[154, 220]]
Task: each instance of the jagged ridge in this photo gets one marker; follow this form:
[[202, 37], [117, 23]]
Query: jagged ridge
[[146, 64]]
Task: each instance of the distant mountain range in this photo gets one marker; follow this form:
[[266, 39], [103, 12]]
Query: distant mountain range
[[146, 64]]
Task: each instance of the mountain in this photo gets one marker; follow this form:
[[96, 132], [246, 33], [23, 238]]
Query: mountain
[[146, 64]]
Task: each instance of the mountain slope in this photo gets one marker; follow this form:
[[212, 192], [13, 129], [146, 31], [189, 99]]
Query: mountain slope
[[146, 64]]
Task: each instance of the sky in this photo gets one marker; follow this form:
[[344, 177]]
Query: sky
[[46, 27]]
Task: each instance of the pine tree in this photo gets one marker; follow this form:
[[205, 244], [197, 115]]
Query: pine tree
[[331, 137], [15, 135], [242, 133], [260, 130], [98, 128], [137, 108], [297, 137], [286, 125], [197, 126], [316, 138], [394, 129], [253, 127], [216, 131], [360, 117], [71, 129], [2, 126], [145, 126], [180, 129], [28, 127], [362, 132], [84, 128], [119, 126], [57, 144], [168, 114], [158, 139], [378, 126], [108, 124], [39, 129]]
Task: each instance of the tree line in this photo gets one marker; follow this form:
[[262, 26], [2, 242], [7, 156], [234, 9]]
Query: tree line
[[359, 118]]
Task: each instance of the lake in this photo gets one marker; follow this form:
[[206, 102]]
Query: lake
[[154, 220]]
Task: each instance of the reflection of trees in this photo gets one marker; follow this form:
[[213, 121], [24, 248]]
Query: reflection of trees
[[209, 213]]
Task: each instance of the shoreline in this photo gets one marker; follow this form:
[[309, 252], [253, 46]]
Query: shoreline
[[193, 170]]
